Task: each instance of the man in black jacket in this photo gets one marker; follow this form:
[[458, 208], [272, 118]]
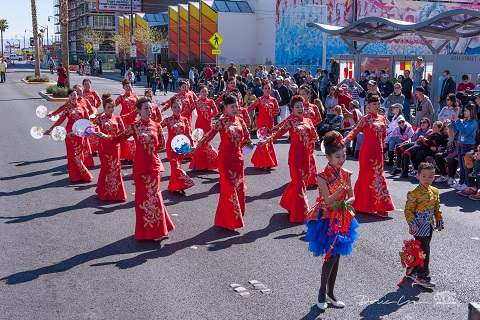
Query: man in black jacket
[[407, 87], [448, 86], [285, 96]]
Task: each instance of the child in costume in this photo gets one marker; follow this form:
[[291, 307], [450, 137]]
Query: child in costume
[[332, 231], [422, 212]]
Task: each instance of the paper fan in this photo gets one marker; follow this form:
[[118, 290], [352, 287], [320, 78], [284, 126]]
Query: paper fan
[[197, 134], [83, 128], [263, 133], [54, 118], [36, 132], [181, 144], [195, 112], [248, 148], [322, 147], [59, 133], [41, 111]]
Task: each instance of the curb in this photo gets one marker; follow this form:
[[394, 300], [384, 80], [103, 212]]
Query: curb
[[47, 97], [27, 82]]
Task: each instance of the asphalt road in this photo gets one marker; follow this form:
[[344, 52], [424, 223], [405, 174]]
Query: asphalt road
[[67, 255]]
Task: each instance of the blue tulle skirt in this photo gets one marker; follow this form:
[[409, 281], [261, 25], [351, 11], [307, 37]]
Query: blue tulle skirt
[[319, 241]]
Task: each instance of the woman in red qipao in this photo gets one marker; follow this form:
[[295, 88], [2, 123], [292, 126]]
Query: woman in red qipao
[[186, 100], [152, 220], [313, 113], [176, 124], [371, 190], [231, 85], [206, 157], [110, 183], [94, 99], [127, 101], [156, 114], [264, 156], [303, 136], [233, 136], [77, 171], [87, 148], [242, 112]]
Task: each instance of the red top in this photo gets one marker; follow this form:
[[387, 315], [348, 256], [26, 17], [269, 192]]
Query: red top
[[72, 112], [208, 74], [234, 136], [93, 97], [206, 110], [61, 72], [176, 125], [268, 107], [312, 112], [185, 99], [462, 86], [149, 140], [127, 101]]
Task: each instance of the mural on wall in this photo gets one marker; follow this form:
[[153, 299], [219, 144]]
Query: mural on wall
[[298, 45]]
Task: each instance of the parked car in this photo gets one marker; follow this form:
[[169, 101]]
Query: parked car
[[13, 56]]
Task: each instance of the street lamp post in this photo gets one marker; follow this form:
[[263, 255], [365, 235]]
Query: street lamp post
[[17, 35], [131, 31], [44, 28], [57, 19]]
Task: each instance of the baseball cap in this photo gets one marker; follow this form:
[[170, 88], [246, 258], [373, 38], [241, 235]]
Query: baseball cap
[[355, 103], [280, 78], [419, 58], [397, 105], [372, 82], [363, 74], [373, 75], [385, 75]]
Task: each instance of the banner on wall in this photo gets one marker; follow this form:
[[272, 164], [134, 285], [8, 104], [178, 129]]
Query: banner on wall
[[119, 5]]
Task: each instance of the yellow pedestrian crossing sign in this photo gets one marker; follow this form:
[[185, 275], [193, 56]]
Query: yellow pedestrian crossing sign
[[216, 40], [89, 47]]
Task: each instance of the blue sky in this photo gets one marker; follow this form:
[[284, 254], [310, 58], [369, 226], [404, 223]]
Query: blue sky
[[19, 16]]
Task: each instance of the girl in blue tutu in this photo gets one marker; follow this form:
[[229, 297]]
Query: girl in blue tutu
[[331, 232]]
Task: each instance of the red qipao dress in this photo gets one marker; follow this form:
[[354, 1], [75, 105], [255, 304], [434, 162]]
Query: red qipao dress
[[152, 220], [187, 102], [179, 180], [110, 183], [87, 147], [127, 101], [303, 136], [206, 157], [231, 204], [95, 101], [311, 111], [77, 171], [371, 190], [265, 156]]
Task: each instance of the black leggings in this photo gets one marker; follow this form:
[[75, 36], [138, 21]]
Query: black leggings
[[329, 275], [442, 161]]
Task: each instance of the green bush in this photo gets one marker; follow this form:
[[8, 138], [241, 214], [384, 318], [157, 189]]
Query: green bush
[[50, 88], [58, 92], [37, 79]]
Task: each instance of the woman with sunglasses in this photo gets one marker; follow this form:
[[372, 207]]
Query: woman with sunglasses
[[371, 191], [450, 109], [422, 131], [330, 102], [401, 134], [395, 97]]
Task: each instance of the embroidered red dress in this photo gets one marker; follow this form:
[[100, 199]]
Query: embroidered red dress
[[303, 136], [265, 156], [77, 171], [206, 157], [87, 143], [371, 190], [312, 112], [231, 204], [179, 180], [152, 220], [93, 98], [127, 100], [187, 103], [110, 183]]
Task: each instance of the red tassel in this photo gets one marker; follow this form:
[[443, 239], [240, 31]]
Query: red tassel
[[409, 272], [329, 252]]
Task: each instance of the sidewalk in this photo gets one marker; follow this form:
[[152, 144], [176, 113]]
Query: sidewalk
[[115, 75]]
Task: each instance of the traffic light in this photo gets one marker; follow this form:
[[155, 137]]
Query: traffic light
[[32, 42]]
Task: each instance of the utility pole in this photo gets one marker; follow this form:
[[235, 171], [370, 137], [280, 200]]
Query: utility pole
[[131, 34]]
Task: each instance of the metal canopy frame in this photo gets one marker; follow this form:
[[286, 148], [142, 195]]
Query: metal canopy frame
[[449, 25]]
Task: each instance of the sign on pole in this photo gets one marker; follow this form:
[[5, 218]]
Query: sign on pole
[[216, 40], [133, 51], [216, 51], [156, 48], [96, 46], [119, 5], [89, 47]]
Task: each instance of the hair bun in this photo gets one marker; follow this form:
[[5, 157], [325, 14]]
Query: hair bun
[[106, 95]]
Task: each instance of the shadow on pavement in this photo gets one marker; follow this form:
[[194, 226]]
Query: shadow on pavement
[[268, 194], [313, 314], [57, 171], [27, 163], [279, 221], [451, 199]]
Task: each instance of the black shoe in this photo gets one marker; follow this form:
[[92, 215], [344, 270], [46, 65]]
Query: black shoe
[[390, 163], [404, 175], [396, 171]]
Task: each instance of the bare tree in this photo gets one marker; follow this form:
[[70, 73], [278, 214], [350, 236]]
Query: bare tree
[[149, 36], [35, 38], [122, 41], [90, 35], [65, 43]]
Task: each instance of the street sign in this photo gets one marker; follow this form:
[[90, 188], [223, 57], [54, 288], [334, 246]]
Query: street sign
[[89, 47], [216, 40], [216, 51], [96, 46], [156, 48], [133, 51]]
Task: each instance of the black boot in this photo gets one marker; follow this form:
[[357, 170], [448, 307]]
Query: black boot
[[349, 151], [405, 165], [390, 158], [356, 154]]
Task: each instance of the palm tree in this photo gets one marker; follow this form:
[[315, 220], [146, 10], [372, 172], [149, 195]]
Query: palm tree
[[35, 38], [65, 43], [3, 27]]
